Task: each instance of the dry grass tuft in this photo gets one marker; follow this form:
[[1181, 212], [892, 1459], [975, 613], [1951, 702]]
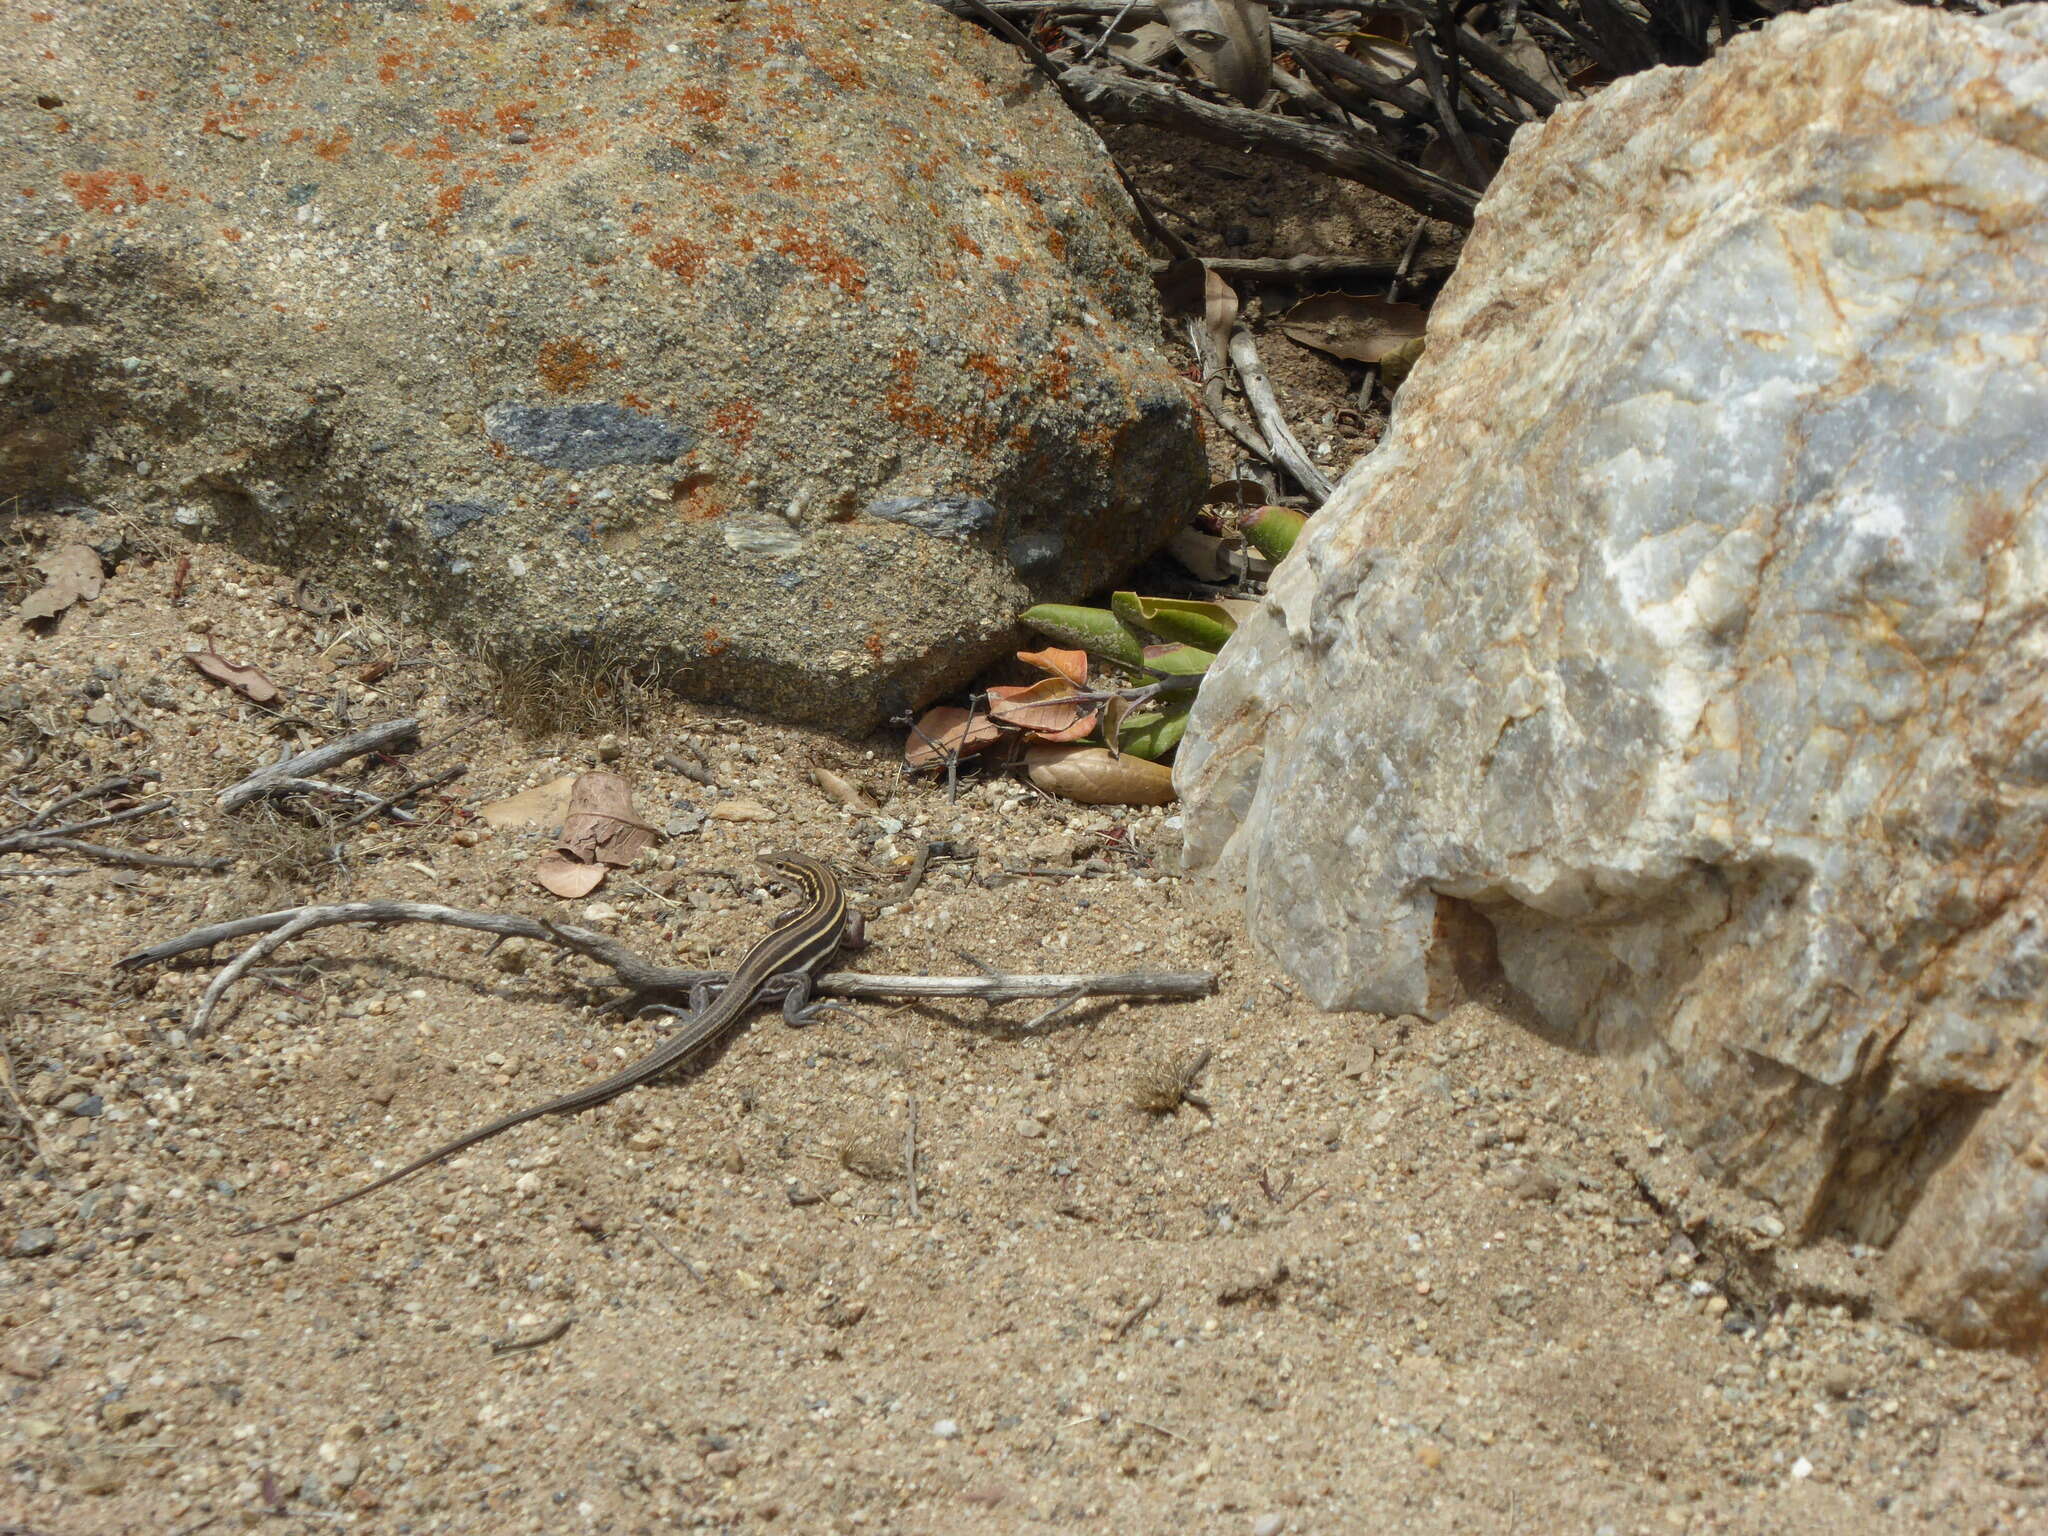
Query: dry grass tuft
[[569, 691], [1162, 1084], [872, 1150], [276, 854]]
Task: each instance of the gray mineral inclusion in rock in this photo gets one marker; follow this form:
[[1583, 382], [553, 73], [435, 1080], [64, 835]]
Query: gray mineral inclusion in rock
[[947, 516], [445, 518], [585, 436]]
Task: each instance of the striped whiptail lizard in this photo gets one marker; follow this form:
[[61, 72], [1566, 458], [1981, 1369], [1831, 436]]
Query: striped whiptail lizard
[[788, 957]]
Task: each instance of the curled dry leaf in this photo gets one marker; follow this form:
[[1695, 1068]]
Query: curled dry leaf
[[246, 680], [544, 805], [1191, 289], [1142, 43], [1228, 41], [599, 831], [74, 577], [1072, 665], [1237, 493], [946, 731], [1046, 709], [1205, 556], [842, 789], [1095, 776], [1346, 325]]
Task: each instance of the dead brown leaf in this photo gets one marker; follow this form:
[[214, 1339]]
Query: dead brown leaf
[[1095, 776], [1047, 709], [946, 730], [600, 831], [74, 577], [247, 680], [1190, 288], [1072, 665], [1141, 43], [1346, 325]]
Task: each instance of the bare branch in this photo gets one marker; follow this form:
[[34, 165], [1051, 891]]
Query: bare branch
[[268, 781], [1258, 394], [1324, 149], [639, 976]]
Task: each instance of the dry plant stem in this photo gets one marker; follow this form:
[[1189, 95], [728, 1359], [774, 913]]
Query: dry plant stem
[[534, 1341], [278, 776], [1447, 114], [1297, 269], [98, 791], [1324, 149], [446, 776], [910, 1157], [635, 974], [690, 771], [33, 838], [1356, 73], [28, 1122], [1499, 66], [915, 878], [339, 791], [237, 968], [1258, 393]]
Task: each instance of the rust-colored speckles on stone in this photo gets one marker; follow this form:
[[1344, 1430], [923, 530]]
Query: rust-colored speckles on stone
[[816, 256], [736, 422], [566, 364], [685, 259]]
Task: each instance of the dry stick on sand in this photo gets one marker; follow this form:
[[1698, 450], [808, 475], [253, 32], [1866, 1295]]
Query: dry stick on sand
[[35, 837], [1258, 394], [285, 775], [637, 975]]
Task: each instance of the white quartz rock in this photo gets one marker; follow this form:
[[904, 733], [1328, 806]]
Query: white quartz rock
[[1691, 629]]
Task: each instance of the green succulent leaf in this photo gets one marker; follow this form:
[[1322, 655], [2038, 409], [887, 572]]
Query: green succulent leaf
[[1153, 733], [1177, 618], [1178, 660], [1274, 531], [1094, 630]]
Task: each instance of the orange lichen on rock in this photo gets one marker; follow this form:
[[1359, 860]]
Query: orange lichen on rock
[[998, 375], [566, 364], [737, 422], [681, 258], [700, 102], [816, 256], [107, 191]]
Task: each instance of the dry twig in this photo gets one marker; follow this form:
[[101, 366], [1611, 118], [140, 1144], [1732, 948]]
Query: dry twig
[[289, 773], [640, 977]]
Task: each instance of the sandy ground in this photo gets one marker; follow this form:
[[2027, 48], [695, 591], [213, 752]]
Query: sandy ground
[[1402, 1275]]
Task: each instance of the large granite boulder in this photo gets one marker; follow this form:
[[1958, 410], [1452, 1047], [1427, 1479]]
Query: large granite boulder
[[794, 348], [1691, 629]]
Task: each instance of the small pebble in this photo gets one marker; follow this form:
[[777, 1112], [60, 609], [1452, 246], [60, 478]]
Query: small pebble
[[1269, 1525], [946, 1429], [33, 1242], [1029, 1128]]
